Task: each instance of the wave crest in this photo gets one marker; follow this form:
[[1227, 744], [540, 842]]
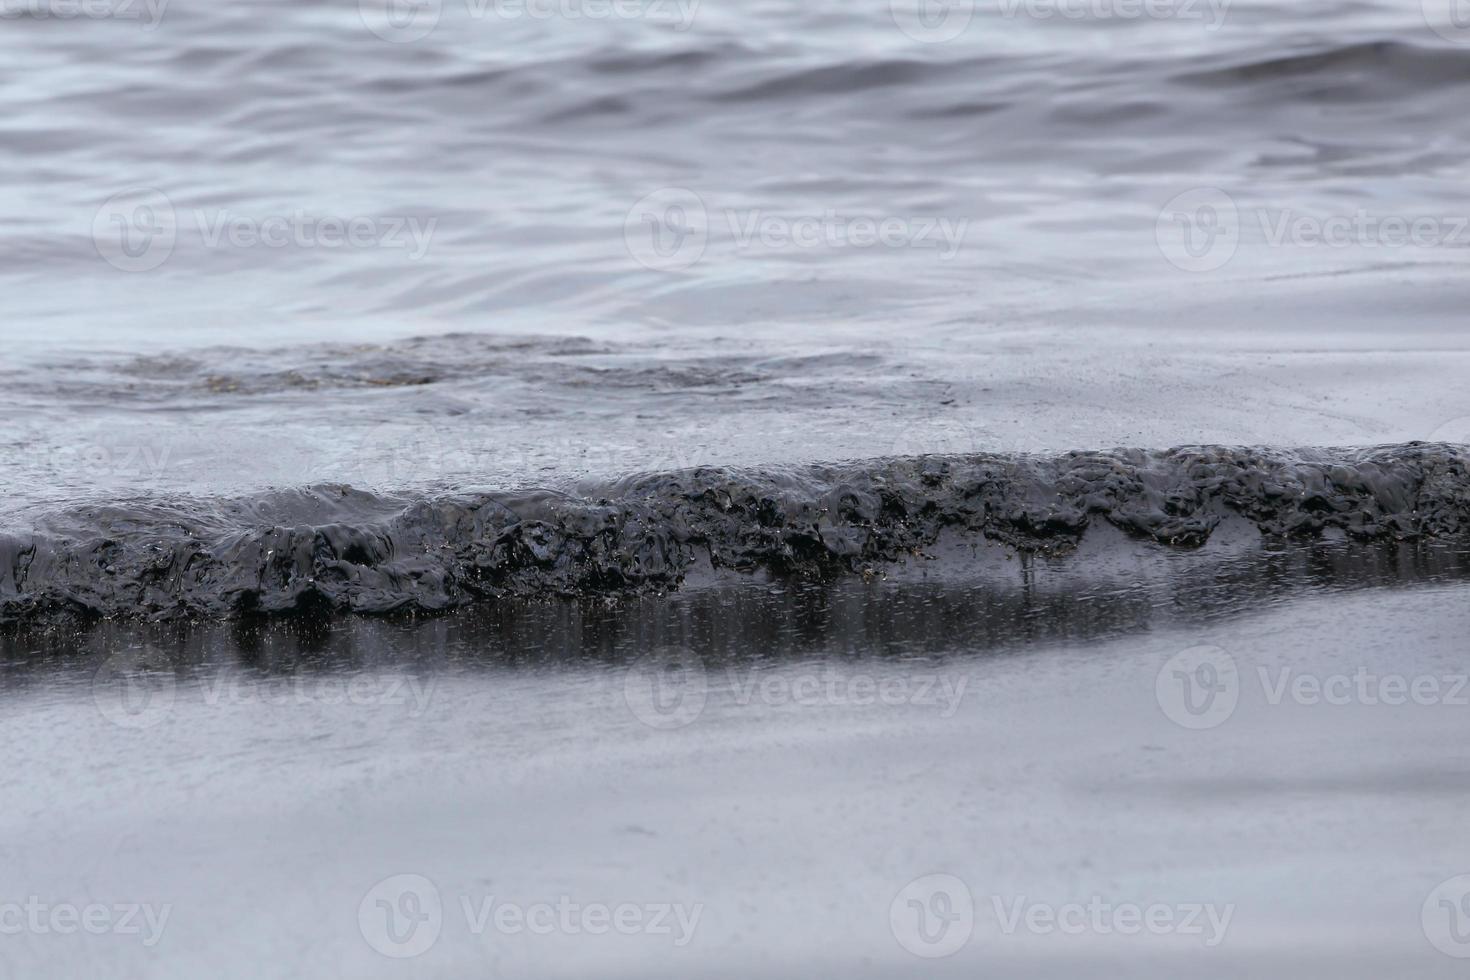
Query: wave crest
[[338, 549]]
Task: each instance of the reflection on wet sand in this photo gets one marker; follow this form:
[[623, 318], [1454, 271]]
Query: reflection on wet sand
[[976, 598]]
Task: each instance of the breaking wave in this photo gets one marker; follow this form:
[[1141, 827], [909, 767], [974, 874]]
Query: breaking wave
[[335, 549]]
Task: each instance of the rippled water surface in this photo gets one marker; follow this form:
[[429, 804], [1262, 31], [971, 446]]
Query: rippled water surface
[[656, 234], [531, 324]]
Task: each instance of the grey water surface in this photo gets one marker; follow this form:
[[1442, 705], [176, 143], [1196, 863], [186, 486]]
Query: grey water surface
[[257, 244], [283, 270]]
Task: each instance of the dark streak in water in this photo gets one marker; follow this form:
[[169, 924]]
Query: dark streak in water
[[335, 549]]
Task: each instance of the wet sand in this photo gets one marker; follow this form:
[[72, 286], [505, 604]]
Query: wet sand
[[786, 760]]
